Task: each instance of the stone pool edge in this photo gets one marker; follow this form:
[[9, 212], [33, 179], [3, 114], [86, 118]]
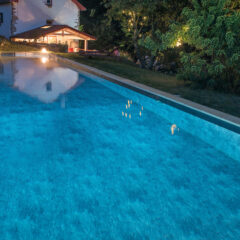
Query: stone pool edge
[[223, 119]]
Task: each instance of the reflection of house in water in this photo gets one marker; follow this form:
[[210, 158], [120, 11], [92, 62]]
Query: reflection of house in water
[[49, 86], [44, 80]]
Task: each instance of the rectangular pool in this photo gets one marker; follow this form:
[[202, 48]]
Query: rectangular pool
[[84, 158]]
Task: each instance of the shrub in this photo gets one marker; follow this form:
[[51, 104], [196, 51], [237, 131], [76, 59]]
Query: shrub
[[210, 31]]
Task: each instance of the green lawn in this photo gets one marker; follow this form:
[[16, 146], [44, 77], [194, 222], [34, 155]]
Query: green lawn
[[221, 101], [7, 46]]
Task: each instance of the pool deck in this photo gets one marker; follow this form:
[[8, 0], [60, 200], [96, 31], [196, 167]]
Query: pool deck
[[177, 101]]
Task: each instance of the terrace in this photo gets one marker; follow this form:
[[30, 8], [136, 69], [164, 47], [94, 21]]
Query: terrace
[[55, 34]]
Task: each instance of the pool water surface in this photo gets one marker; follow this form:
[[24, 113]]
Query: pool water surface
[[84, 158]]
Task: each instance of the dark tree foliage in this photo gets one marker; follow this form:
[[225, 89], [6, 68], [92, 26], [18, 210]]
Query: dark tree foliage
[[94, 21], [210, 31], [203, 34]]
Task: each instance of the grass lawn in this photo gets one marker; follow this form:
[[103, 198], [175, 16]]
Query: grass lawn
[[7, 46], [227, 103]]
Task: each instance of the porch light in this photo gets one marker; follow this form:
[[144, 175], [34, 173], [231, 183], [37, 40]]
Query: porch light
[[44, 50]]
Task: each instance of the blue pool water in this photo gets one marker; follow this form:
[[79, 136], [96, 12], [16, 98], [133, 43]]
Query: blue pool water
[[83, 158]]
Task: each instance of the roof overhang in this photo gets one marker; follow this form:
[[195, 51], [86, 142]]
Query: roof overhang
[[79, 5], [52, 30]]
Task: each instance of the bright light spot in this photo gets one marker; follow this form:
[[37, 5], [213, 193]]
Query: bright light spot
[[44, 50], [179, 43], [44, 60], [173, 128], [46, 26], [186, 28]]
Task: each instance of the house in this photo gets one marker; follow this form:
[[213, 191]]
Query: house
[[43, 21]]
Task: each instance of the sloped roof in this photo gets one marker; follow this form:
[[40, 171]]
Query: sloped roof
[[78, 4], [48, 29]]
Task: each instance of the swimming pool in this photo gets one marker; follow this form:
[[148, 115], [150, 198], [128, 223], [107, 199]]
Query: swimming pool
[[84, 158]]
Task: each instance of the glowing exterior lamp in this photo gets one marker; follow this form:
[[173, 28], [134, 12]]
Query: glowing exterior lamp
[[44, 50], [179, 43]]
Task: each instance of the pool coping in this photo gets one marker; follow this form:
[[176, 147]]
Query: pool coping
[[217, 117]]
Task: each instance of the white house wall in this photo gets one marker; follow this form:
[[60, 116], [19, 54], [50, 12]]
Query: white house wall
[[5, 27], [34, 13]]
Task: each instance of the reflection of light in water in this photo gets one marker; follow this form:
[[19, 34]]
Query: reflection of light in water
[[44, 60], [174, 128]]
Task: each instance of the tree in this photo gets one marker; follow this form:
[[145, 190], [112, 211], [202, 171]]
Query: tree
[[211, 31], [94, 21], [123, 22], [133, 16]]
